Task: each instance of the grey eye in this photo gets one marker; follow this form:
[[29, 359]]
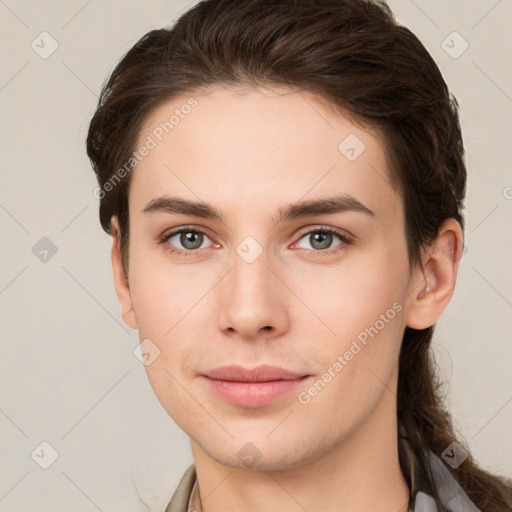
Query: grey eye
[[189, 239], [319, 240]]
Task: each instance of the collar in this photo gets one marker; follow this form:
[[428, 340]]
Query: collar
[[427, 471], [421, 473]]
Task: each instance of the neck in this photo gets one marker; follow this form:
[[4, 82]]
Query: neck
[[362, 472]]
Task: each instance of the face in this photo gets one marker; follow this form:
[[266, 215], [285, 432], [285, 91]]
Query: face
[[317, 290]]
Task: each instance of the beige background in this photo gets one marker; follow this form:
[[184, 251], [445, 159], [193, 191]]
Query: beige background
[[69, 376]]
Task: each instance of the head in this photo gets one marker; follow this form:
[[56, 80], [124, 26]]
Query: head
[[250, 107]]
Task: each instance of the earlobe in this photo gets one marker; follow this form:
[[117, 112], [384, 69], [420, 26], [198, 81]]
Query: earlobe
[[121, 283], [434, 282]]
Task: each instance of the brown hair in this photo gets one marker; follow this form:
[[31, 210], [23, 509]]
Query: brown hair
[[353, 54]]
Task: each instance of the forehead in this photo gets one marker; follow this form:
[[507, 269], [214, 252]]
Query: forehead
[[235, 145]]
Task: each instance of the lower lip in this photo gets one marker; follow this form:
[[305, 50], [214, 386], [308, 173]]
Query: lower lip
[[253, 394]]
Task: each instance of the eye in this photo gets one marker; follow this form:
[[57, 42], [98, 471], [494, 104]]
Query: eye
[[321, 240], [187, 241], [184, 241]]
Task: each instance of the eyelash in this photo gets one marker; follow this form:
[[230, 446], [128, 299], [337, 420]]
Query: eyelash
[[346, 240]]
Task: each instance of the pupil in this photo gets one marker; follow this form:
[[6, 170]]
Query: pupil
[[189, 238], [323, 237]]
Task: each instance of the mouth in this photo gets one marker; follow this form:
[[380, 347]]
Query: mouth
[[254, 387]]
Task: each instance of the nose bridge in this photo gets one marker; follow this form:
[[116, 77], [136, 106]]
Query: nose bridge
[[249, 261], [250, 272], [251, 298]]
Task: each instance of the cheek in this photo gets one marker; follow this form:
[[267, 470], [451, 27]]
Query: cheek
[[166, 301], [362, 307], [162, 294], [357, 363], [352, 296]]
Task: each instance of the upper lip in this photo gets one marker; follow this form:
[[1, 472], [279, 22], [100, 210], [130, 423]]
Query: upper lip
[[264, 373]]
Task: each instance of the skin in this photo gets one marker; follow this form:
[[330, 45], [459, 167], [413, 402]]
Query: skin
[[249, 152]]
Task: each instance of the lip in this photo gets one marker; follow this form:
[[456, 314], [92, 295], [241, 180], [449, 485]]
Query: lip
[[254, 387]]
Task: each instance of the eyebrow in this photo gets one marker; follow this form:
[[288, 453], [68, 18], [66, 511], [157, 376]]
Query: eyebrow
[[323, 206]]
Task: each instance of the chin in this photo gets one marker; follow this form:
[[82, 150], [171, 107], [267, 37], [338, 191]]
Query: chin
[[260, 454], [271, 463]]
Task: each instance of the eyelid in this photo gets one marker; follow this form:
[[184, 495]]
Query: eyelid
[[343, 233], [176, 231], [191, 227], [346, 237]]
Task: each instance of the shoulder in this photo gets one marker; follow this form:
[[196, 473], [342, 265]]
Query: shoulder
[[180, 498]]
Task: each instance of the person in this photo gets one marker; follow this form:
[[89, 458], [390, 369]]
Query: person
[[284, 184]]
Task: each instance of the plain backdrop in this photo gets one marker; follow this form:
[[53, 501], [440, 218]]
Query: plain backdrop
[[69, 376]]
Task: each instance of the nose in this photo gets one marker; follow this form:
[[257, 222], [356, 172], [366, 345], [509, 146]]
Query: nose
[[252, 299]]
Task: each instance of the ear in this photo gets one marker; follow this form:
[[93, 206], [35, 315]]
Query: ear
[[433, 283], [120, 278]]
